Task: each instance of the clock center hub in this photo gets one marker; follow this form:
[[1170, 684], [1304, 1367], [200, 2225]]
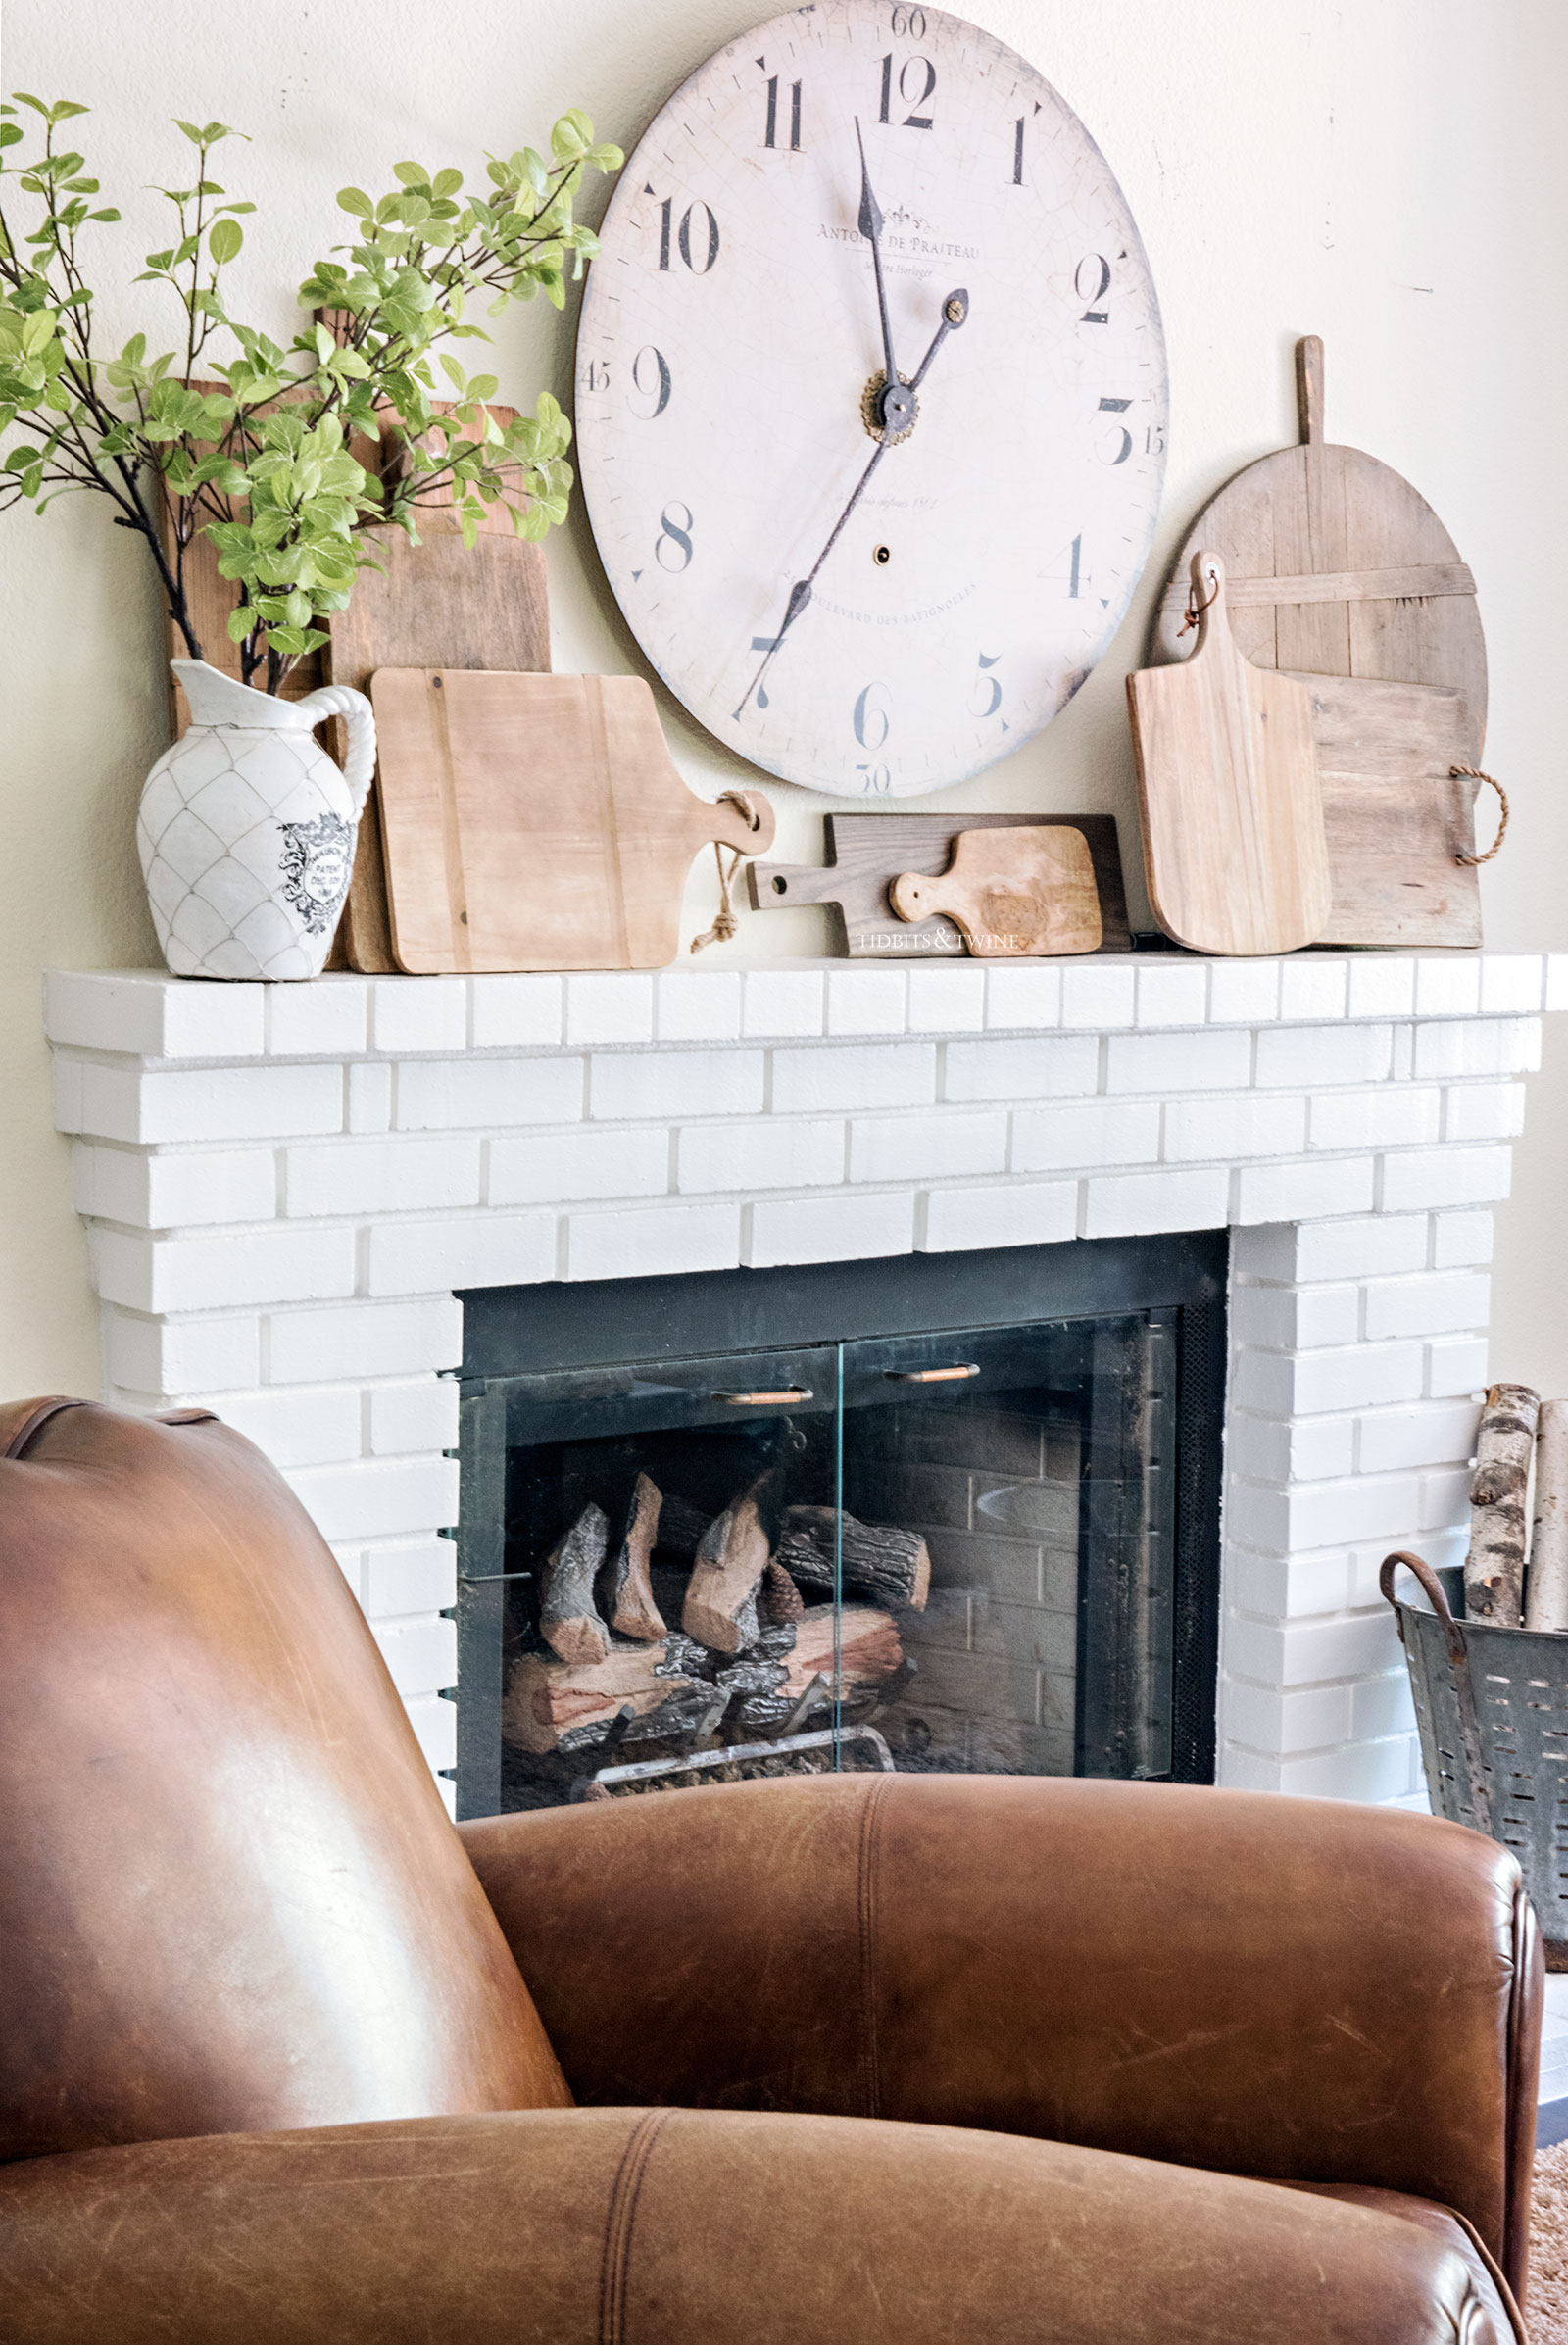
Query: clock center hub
[[889, 410]]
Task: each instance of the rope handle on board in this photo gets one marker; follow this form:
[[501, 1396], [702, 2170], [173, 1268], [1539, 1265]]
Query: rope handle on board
[[725, 924], [1475, 774]]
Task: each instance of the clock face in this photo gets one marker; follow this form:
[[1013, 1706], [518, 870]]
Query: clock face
[[873, 594]]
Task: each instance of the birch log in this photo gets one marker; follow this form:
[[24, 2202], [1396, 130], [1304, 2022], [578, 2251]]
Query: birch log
[[1494, 1568], [1547, 1607]]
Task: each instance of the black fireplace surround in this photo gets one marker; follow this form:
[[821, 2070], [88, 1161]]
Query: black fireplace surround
[[982, 1489]]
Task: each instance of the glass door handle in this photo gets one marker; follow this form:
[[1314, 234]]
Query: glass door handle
[[786, 1400], [932, 1376]]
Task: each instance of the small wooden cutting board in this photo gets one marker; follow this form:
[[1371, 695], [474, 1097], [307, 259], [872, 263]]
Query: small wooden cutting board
[[1234, 844], [1011, 892], [1396, 817], [538, 821], [868, 853]]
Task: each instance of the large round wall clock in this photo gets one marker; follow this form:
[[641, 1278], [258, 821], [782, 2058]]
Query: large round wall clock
[[870, 397]]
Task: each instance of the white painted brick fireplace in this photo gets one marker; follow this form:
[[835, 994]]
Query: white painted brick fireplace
[[283, 1185]]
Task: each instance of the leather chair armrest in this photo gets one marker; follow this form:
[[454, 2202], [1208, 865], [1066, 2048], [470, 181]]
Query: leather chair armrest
[[691, 2228], [1248, 1983]]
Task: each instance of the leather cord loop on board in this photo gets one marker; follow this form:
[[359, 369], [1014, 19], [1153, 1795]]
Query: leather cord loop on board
[[725, 925], [1194, 612], [1475, 774]]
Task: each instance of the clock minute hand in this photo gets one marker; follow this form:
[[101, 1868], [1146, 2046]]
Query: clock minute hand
[[954, 312], [801, 591]]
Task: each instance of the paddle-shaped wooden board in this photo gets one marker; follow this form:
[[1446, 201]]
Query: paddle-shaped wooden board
[[439, 603], [1234, 844], [1395, 815], [1337, 566], [1011, 892], [537, 822], [868, 853]]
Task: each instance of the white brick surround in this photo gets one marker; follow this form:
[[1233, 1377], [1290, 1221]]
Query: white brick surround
[[284, 1184]]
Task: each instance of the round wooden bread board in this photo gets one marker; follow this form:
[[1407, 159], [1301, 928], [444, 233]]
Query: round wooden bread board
[[1336, 565]]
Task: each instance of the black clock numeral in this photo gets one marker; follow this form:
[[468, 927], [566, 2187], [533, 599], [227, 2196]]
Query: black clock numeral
[[1075, 577], [1124, 438], [598, 374], [1154, 440], [912, 98], [770, 133], [909, 23], [1099, 268], [878, 782], [1017, 146], [988, 684], [658, 389], [676, 533], [872, 720], [683, 234]]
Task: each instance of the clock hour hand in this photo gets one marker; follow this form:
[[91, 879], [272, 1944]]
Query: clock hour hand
[[954, 312], [895, 403]]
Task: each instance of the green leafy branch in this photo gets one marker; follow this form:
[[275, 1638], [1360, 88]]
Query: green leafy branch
[[287, 460]]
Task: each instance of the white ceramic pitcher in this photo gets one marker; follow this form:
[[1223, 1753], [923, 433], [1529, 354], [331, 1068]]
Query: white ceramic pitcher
[[246, 828]]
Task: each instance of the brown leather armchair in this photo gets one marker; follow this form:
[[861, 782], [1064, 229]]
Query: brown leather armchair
[[285, 2057]]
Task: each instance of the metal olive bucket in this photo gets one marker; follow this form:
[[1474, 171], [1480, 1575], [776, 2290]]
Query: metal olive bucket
[[1492, 1705]]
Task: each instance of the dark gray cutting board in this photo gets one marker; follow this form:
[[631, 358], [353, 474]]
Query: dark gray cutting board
[[866, 852]]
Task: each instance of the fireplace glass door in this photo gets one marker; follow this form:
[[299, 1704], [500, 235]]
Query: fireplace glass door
[[958, 1551]]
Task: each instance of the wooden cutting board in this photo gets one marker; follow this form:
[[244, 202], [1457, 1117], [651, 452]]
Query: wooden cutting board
[[1234, 844], [868, 853], [1012, 893], [538, 821], [1397, 819], [1337, 566], [439, 603]]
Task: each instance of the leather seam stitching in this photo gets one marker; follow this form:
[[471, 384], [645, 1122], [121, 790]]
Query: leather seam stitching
[[620, 2221], [30, 1426], [870, 1849]]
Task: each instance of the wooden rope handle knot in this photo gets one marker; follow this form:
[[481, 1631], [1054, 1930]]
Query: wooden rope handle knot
[[1195, 610], [725, 924], [1475, 774]]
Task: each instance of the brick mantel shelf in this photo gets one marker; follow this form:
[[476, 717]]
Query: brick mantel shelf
[[284, 1184]]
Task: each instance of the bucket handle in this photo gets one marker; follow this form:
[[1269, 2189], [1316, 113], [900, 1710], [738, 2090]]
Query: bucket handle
[[1464, 1691]]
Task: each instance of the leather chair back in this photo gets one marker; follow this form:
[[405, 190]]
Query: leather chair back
[[230, 1897]]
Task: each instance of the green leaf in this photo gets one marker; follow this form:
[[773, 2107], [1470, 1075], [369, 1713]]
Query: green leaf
[[240, 624], [411, 174], [225, 239], [106, 214], [355, 200], [11, 134], [446, 182], [63, 110], [571, 136], [25, 97]]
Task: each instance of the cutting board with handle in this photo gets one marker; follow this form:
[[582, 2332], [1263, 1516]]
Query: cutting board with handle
[[439, 603], [1397, 816], [538, 821], [1337, 566], [1234, 844], [1012, 893], [868, 853]]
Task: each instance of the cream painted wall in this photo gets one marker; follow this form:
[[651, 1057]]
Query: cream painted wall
[[1391, 174]]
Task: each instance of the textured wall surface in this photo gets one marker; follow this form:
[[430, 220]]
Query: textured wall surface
[[1391, 176]]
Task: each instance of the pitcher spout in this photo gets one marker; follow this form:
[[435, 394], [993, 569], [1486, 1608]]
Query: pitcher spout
[[218, 699]]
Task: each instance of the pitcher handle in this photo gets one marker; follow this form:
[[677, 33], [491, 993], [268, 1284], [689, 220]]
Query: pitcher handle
[[359, 765]]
